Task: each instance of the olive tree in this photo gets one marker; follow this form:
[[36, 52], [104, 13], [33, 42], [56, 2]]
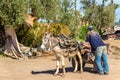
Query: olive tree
[[12, 13]]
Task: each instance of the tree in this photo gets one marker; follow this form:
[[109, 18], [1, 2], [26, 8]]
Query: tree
[[107, 15], [102, 16], [13, 13], [88, 7], [58, 11], [51, 9], [44, 9], [70, 16]]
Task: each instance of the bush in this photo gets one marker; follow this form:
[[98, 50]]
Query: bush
[[83, 32], [56, 29], [34, 34], [34, 37]]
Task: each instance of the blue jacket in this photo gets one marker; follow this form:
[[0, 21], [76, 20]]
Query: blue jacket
[[94, 39]]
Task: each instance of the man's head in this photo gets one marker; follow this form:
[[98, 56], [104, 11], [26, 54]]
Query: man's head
[[90, 28]]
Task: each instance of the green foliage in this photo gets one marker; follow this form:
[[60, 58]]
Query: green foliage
[[13, 12], [34, 35], [100, 15], [47, 10], [83, 32], [69, 15], [108, 15], [56, 28]]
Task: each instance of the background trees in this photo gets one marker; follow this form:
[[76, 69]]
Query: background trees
[[13, 12], [72, 13], [100, 15]]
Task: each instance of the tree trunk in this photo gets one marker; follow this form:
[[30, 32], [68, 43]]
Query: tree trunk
[[11, 45]]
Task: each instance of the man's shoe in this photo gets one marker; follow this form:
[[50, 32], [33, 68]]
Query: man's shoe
[[106, 73], [101, 73]]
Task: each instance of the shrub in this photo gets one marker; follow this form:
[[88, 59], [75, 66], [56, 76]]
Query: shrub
[[83, 32], [56, 29], [34, 35]]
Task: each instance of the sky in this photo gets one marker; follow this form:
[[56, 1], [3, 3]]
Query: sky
[[117, 12]]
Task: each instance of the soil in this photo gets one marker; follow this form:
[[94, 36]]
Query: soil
[[43, 68]]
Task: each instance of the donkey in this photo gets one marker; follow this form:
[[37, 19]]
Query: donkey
[[60, 53]]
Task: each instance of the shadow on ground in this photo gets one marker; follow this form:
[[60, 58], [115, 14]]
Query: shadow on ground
[[90, 70], [68, 69]]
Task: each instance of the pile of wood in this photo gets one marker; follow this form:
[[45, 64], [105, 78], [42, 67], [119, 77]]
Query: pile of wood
[[67, 43]]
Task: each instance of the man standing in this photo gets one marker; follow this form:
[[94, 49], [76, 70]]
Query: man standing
[[99, 47]]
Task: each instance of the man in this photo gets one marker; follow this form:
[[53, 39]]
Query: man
[[99, 47]]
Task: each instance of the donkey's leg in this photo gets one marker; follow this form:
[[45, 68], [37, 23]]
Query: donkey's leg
[[80, 61], [57, 67], [76, 64], [63, 64]]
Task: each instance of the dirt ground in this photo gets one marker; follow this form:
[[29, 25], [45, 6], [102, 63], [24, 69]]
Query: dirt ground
[[42, 68]]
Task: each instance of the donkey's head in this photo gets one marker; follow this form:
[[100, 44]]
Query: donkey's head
[[49, 42], [46, 41]]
